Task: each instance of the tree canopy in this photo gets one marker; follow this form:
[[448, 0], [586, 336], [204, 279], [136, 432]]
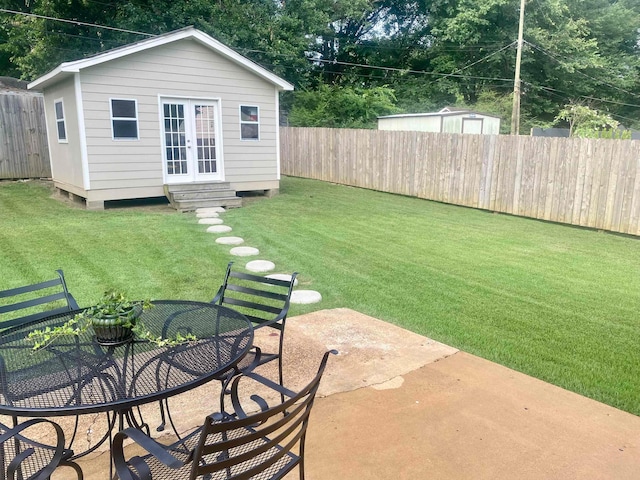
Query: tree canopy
[[411, 56]]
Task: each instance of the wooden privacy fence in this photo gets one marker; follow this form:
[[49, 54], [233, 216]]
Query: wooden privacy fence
[[588, 182], [24, 152]]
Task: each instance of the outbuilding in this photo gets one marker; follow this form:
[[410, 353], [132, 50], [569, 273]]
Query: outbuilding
[[179, 114], [447, 120]]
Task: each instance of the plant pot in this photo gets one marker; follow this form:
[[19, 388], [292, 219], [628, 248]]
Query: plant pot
[[115, 329]]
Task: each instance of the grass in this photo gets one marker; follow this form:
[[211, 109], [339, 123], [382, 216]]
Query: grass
[[553, 301]]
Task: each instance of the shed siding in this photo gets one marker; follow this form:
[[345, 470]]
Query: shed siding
[[451, 124], [180, 69], [413, 124], [66, 158], [438, 123]]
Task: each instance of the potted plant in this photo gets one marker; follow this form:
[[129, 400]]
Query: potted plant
[[114, 317], [114, 320]]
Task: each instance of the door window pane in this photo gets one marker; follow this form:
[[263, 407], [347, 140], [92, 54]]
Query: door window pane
[[175, 139], [205, 126]]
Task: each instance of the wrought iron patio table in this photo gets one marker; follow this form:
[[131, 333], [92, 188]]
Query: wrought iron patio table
[[75, 375]]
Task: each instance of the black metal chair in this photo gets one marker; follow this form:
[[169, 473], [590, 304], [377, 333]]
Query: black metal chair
[[23, 458], [264, 445], [53, 293], [265, 301], [23, 305]]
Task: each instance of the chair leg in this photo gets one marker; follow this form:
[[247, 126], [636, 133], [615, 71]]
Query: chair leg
[[163, 420], [280, 377], [75, 466], [224, 384]]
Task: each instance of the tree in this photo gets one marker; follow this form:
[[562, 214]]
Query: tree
[[585, 121], [341, 107]]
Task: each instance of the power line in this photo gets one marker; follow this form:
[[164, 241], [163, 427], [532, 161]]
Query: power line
[[76, 22], [567, 96], [404, 70], [540, 49], [588, 97], [481, 60]]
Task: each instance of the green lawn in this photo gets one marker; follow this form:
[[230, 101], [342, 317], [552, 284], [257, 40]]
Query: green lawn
[[556, 302]]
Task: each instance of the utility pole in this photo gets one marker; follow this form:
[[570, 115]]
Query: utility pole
[[515, 113]]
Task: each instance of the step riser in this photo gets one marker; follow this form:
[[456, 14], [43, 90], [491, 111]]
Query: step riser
[[193, 187], [202, 195], [190, 205]]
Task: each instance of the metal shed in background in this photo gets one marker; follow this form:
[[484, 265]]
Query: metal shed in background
[[447, 120]]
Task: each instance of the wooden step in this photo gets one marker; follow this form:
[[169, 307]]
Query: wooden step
[[191, 196], [194, 187], [190, 205]]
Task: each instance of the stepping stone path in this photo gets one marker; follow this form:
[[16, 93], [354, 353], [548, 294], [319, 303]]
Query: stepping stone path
[[209, 216], [211, 221], [229, 240], [219, 229], [210, 210], [283, 276], [260, 266], [244, 251], [305, 296]]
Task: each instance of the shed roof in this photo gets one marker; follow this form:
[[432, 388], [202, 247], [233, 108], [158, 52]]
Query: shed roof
[[67, 69], [445, 112]]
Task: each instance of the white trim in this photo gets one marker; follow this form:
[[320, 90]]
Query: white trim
[[49, 139], [188, 97], [185, 33], [440, 114], [126, 119], [220, 139], [249, 122], [82, 133], [58, 120], [277, 134], [161, 133]]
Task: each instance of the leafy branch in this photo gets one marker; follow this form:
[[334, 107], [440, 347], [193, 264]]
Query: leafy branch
[[113, 304]]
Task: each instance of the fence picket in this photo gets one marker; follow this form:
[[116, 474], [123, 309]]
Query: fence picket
[[588, 182], [24, 151]]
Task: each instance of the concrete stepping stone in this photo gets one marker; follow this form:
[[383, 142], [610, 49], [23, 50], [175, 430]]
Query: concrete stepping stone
[[259, 266], [207, 215], [229, 240], [244, 251], [283, 276], [303, 297], [219, 229], [210, 210], [211, 221]]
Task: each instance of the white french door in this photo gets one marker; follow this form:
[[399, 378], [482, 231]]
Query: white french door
[[191, 140]]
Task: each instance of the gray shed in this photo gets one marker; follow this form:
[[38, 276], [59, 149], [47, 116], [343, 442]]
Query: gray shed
[[178, 114], [447, 120]]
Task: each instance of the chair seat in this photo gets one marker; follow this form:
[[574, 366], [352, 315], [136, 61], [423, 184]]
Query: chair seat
[[253, 359], [27, 458], [182, 451]]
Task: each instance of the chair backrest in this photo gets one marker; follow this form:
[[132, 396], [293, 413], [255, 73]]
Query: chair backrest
[[52, 293], [258, 443], [261, 299], [23, 458]]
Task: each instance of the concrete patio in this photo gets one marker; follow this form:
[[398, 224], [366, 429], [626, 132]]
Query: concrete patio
[[396, 405]]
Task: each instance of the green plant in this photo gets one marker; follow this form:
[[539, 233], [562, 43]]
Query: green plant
[[114, 307]]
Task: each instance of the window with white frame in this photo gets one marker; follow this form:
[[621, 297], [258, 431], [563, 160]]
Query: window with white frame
[[61, 128], [249, 123], [124, 119]]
